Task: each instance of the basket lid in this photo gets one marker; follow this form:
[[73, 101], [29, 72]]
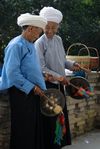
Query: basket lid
[[52, 103], [75, 84]]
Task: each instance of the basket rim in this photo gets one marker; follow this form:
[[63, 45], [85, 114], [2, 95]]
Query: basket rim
[[91, 48], [77, 44]]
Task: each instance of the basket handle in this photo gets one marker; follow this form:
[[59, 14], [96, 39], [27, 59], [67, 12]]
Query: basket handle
[[78, 44], [85, 47], [90, 48]]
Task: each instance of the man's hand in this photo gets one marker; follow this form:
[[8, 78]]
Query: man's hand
[[76, 67], [63, 80], [38, 91], [49, 77]]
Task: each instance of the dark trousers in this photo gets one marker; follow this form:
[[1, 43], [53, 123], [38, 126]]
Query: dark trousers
[[30, 129], [26, 121]]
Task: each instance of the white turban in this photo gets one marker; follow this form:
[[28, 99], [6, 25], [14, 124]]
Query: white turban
[[51, 14], [33, 20]]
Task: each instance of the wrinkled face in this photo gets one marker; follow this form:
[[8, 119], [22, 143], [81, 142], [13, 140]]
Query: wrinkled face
[[51, 29], [32, 33], [35, 32]]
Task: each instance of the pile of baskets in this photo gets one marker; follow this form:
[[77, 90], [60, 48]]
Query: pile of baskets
[[87, 57]]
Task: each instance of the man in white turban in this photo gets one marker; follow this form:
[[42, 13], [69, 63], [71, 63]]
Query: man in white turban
[[53, 62], [33, 20], [51, 14], [23, 78]]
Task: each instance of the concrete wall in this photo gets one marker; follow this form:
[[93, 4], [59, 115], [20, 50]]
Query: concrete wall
[[83, 115]]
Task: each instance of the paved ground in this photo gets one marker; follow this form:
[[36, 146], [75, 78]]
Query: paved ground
[[90, 140]]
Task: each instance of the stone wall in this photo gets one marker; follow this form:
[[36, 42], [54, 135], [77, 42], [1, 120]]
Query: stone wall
[[81, 115], [84, 115], [4, 121]]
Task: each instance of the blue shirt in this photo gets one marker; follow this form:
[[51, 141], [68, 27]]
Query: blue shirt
[[21, 66]]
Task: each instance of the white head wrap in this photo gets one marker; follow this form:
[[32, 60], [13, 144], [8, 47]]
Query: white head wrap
[[51, 14], [33, 20]]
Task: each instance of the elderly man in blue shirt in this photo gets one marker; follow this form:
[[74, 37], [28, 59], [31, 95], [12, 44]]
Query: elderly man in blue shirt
[[22, 76]]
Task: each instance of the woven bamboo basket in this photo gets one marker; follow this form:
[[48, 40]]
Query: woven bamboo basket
[[94, 61], [94, 58], [83, 60]]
